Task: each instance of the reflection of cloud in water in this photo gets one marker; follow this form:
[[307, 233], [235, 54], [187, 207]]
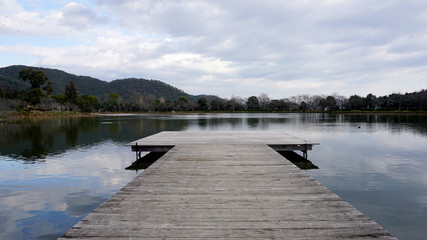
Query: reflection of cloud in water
[[49, 224], [371, 153], [51, 207], [102, 165], [60, 191], [8, 217], [80, 203], [380, 162], [40, 204], [383, 177]]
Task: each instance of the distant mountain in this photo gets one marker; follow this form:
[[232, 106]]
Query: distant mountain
[[9, 80]]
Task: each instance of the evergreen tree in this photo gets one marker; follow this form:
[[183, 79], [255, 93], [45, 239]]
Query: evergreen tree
[[182, 104], [88, 103], [202, 103], [114, 102], [71, 93], [48, 88], [356, 102], [36, 79], [253, 103]]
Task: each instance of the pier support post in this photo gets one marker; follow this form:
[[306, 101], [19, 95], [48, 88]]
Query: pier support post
[[304, 152], [137, 153]]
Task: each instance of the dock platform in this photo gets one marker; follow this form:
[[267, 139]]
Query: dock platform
[[224, 185]]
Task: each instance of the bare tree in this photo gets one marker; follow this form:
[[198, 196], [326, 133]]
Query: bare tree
[[138, 100], [314, 102], [235, 103], [264, 101], [150, 100], [8, 105], [48, 104], [217, 103], [341, 100], [4, 107]]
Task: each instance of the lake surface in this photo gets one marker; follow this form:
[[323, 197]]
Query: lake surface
[[54, 172]]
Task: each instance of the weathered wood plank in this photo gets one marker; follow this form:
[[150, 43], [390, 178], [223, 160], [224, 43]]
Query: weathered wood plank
[[225, 233], [227, 185]]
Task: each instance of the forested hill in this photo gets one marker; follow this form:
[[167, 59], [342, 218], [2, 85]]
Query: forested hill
[[9, 80]]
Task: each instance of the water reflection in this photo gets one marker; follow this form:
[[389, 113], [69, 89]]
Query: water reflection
[[298, 160], [33, 142], [43, 200], [145, 161], [77, 163]]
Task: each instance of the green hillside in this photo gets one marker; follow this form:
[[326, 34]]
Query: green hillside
[[87, 85], [125, 87]]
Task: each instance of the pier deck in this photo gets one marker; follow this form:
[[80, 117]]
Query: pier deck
[[225, 185]]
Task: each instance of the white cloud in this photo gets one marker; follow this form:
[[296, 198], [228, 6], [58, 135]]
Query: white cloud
[[80, 17], [216, 47]]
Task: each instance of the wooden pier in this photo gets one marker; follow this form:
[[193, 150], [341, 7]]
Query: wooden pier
[[224, 185]]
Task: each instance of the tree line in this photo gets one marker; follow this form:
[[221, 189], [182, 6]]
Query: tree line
[[39, 97]]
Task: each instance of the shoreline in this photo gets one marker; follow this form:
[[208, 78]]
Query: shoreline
[[13, 117]]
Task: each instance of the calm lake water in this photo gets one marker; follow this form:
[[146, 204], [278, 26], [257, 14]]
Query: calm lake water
[[54, 172]]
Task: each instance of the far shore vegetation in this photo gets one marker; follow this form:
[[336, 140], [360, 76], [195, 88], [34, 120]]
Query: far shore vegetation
[[38, 101]]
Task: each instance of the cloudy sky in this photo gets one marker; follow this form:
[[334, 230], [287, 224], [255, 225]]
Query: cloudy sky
[[225, 47]]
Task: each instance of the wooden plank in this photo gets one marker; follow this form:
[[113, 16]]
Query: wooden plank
[[224, 185], [276, 138]]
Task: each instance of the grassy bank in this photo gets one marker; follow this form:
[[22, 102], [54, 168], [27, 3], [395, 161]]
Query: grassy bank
[[24, 116]]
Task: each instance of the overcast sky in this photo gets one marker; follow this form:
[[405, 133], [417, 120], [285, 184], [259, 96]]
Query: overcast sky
[[226, 47]]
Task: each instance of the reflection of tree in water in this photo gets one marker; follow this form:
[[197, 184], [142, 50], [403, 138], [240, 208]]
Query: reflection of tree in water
[[72, 127], [235, 122], [72, 136], [203, 123], [218, 123], [160, 124], [36, 139], [416, 123], [71, 132], [114, 128], [88, 125], [40, 143], [253, 122], [393, 122]]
